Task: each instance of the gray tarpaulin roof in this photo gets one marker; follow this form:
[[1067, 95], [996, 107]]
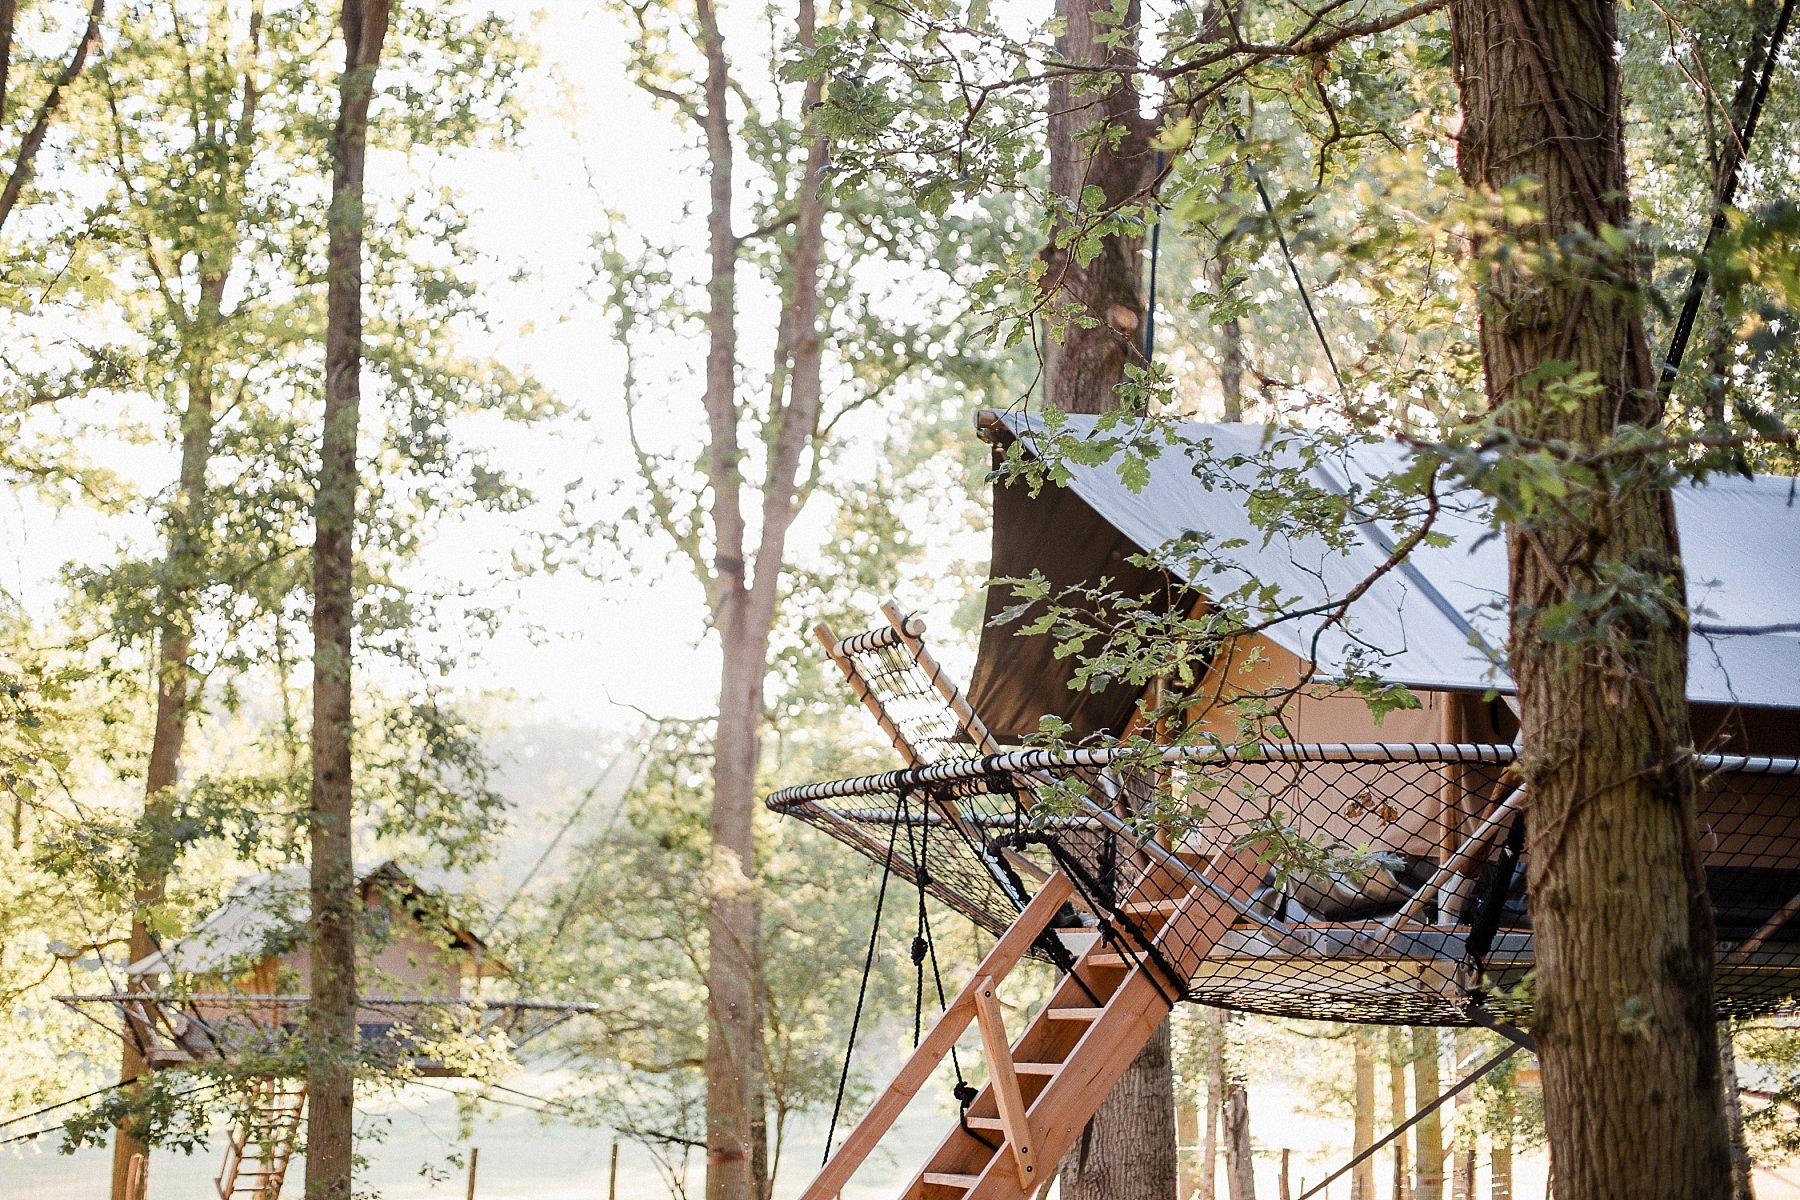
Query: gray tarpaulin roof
[[1438, 623]]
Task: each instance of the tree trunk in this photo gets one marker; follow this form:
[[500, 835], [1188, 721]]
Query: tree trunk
[[1397, 1056], [1362, 1176], [1462, 1178], [1428, 1134], [1127, 1152], [1500, 1157], [331, 1010], [1240, 1166], [1622, 926], [184, 570], [744, 615], [1743, 1186], [1216, 1021], [1132, 1136], [1082, 371], [1187, 1147], [731, 1057]]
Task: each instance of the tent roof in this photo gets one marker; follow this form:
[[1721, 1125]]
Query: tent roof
[[266, 914], [1437, 623]]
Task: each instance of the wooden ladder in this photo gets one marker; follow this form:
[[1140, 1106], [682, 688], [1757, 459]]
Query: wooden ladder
[[1043, 1088], [257, 1153]]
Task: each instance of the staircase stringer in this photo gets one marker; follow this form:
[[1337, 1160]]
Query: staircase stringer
[[1134, 1007], [258, 1150], [999, 962]]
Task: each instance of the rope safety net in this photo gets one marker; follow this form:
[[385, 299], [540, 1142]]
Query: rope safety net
[[1389, 884]]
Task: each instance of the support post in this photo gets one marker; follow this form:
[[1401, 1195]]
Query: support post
[[1004, 1079]]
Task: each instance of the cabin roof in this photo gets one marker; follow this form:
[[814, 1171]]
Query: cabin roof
[[266, 914], [1438, 623]]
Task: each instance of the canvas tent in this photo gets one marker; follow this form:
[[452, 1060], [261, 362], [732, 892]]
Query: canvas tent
[[1437, 623], [1323, 865]]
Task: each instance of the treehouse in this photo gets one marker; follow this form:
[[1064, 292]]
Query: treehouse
[[233, 991], [1288, 852]]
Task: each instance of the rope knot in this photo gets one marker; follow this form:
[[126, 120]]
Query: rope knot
[[920, 947]]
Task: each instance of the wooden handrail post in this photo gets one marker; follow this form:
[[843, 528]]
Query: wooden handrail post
[[1003, 1078], [1008, 950]]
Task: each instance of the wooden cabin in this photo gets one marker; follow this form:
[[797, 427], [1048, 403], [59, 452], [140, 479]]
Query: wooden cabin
[[1407, 904], [1436, 625], [243, 973]]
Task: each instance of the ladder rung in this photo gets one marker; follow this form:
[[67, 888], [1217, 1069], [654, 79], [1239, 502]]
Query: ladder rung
[[1075, 1014], [1148, 907], [1025, 1068], [1109, 958], [988, 1123], [950, 1179]]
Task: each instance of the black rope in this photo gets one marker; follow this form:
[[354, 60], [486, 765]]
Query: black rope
[[1735, 151], [862, 988], [1489, 905], [1155, 251]]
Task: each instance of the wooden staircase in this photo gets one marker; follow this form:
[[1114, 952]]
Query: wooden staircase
[[257, 1154], [1043, 1088]]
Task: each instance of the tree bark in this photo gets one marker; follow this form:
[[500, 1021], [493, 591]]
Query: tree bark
[[1428, 1134], [1622, 926], [331, 1011], [1081, 372], [1131, 1139], [1216, 1021], [1362, 1101], [744, 613], [1240, 1166], [1127, 1151]]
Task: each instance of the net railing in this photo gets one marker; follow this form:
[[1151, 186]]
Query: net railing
[[1386, 880]]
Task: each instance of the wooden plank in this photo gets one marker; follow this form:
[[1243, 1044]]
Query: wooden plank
[[1074, 1014], [1008, 950], [1005, 1082]]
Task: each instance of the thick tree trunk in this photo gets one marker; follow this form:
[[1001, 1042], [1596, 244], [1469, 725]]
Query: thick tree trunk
[[1132, 1136], [1623, 929], [331, 1011], [1428, 1134], [1127, 1152], [1082, 371], [1362, 1105]]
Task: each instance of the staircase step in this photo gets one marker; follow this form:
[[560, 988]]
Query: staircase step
[[1075, 1014], [992, 1124], [950, 1179], [1030, 1068], [1138, 908]]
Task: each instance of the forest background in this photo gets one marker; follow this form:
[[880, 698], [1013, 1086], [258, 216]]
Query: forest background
[[538, 632]]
